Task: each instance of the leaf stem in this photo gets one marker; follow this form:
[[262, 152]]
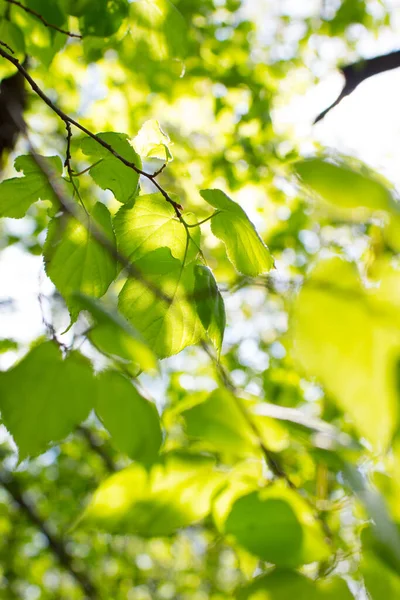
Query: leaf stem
[[204, 220]]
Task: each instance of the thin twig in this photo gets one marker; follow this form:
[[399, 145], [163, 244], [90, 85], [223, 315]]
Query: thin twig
[[7, 46], [57, 545], [67, 119], [43, 20]]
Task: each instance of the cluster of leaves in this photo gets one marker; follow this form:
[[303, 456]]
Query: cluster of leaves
[[268, 467]]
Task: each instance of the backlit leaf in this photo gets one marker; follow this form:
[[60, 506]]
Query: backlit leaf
[[168, 323], [152, 142], [244, 246], [74, 260], [151, 223]]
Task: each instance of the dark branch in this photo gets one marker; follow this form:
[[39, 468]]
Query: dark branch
[[43, 20], [56, 544], [95, 443], [356, 73]]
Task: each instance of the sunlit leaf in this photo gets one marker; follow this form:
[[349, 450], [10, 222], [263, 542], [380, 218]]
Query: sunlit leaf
[[74, 260], [277, 525], [175, 493], [43, 398], [344, 186], [132, 421], [346, 335], [18, 193], [152, 142], [244, 246], [168, 323], [110, 173], [151, 224]]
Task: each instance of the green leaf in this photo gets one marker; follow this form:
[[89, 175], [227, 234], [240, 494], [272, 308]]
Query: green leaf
[[74, 260], [160, 27], [131, 420], [100, 18], [344, 186], [114, 336], [111, 174], [278, 526], [245, 248], [151, 224], [18, 193], [43, 398], [283, 584], [380, 580], [210, 305], [152, 142], [168, 326], [49, 9], [221, 425], [11, 35], [176, 492], [346, 335]]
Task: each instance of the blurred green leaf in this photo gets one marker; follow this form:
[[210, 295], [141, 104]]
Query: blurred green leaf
[[344, 186], [100, 18], [114, 336], [277, 525], [43, 398], [282, 584], [346, 335], [174, 493], [131, 420]]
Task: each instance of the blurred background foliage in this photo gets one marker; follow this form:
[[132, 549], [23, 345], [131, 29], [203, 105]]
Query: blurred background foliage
[[213, 74]]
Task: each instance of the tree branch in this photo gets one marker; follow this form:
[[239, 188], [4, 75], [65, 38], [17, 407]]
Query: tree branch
[[96, 445], [43, 20], [56, 544], [67, 119], [357, 72]]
